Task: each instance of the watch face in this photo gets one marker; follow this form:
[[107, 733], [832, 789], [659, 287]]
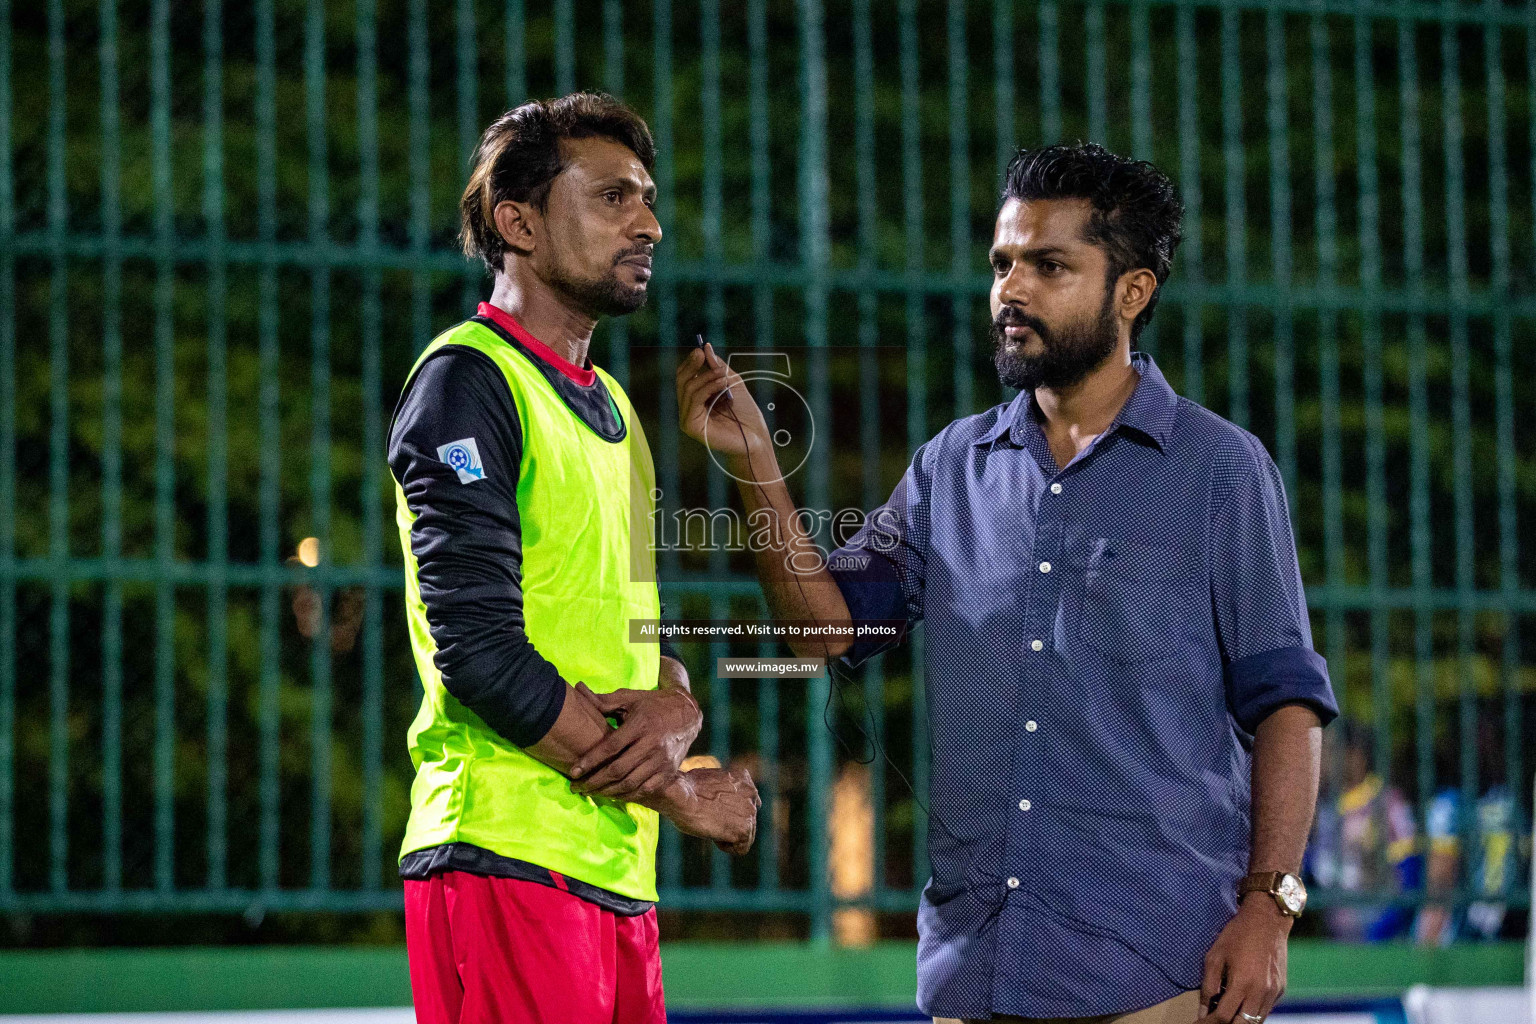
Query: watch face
[[1292, 893]]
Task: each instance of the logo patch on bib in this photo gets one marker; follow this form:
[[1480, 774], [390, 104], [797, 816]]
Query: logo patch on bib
[[464, 457]]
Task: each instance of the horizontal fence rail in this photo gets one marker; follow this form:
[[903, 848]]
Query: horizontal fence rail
[[227, 229]]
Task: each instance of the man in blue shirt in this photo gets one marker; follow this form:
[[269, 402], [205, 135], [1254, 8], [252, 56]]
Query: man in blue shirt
[[1125, 705]]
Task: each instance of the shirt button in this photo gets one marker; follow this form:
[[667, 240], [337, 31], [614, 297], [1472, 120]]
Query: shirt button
[[1013, 883], [1030, 726], [1036, 645], [1024, 805], [1055, 488], [1045, 566]]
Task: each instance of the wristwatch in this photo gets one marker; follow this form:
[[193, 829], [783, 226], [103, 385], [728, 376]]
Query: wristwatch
[[1288, 892]]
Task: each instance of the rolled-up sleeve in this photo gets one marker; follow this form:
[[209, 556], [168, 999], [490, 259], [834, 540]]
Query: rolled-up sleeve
[[880, 571], [1261, 608]]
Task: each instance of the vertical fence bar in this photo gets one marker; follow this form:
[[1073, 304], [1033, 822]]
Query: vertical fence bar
[[517, 58], [469, 126], [814, 248], [58, 464], [714, 307], [1097, 75], [768, 785], [164, 759], [964, 372], [666, 315], [917, 367], [373, 438], [1189, 184], [613, 82], [874, 701], [218, 443], [418, 138], [1516, 781], [270, 678], [1050, 72], [711, 209], [1002, 92], [1141, 81], [613, 47], [1461, 414], [1236, 227], [111, 456], [565, 48], [7, 466], [762, 168], [1504, 427], [869, 380], [1280, 247], [1418, 406], [719, 737], [1371, 358], [762, 321], [1326, 226], [319, 450]]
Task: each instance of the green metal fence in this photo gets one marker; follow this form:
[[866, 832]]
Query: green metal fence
[[225, 230]]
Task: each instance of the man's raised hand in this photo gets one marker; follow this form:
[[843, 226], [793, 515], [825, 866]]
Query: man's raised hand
[[729, 424]]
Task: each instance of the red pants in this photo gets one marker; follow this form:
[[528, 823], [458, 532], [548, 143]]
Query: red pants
[[504, 951]]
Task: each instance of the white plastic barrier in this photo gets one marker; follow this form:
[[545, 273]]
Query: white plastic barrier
[[1425, 1005]]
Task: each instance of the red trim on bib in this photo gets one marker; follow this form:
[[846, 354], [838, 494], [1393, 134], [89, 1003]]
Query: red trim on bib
[[581, 375]]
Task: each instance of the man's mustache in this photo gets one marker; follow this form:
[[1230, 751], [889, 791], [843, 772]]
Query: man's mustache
[[1010, 316], [631, 253]]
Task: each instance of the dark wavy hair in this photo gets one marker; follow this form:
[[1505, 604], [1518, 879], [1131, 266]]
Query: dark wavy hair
[[519, 156], [1137, 210]]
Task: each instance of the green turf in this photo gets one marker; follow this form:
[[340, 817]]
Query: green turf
[[697, 974]]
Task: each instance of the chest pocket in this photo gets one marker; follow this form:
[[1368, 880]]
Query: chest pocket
[[1138, 600]]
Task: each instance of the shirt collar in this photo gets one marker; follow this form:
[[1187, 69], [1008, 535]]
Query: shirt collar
[[1150, 410]]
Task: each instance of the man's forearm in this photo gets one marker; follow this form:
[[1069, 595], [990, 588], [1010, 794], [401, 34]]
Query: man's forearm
[[580, 727], [673, 673], [790, 566], [1287, 754]]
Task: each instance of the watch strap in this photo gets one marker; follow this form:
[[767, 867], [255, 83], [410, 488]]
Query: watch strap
[[1261, 881]]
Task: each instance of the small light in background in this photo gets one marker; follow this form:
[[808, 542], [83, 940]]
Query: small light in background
[[309, 551]]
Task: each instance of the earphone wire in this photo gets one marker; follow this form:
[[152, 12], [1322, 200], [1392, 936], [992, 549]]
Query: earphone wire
[[872, 737]]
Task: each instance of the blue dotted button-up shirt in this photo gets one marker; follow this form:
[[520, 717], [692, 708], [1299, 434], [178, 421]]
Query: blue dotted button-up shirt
[[1101, 642]]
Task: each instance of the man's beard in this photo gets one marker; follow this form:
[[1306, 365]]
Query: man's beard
[[606, 295], [1066, 357]]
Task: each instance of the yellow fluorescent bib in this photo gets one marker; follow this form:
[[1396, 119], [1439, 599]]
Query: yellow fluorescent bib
[[580, 500]]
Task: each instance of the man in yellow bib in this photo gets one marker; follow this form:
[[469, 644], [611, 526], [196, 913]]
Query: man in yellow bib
[[524, 490]]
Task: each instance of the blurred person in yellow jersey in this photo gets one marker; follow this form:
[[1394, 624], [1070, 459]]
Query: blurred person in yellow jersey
[[524, 498], [1480, 846], [1365, 839]]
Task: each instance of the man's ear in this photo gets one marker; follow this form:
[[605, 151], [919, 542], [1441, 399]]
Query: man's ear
[[518, 224], [1135, 289]]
